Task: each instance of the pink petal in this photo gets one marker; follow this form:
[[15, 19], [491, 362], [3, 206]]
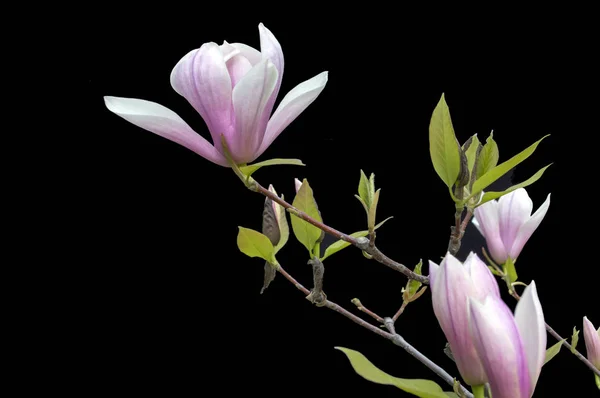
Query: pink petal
[[481, 276], [228, 51], [238, 66], [592, 342], [498, 343], [250, 53], [476, 224], [515, 209], [270, 49], [297, 184], [292, 105], [201, 76], [433, 269], [529, 318], [528, 229], [250, 98], [165, 123], [449, 298], [487, 217]]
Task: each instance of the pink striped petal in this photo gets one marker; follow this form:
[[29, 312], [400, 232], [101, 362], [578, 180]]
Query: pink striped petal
[[433, 269], [270, 49], [487, 217], [498, 343], [165, 123], [202, 78], [292, 105], [515, 209], [528, 229], [250, 98], [481, 276], [250, 53], [529, 318], [592, 342], [238, 66]]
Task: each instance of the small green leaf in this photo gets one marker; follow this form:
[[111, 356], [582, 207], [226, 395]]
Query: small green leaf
[[574, 340], [362, 202], [251, 168], [597, 381], [487, 196], [364, 190], [306, 233], [443, 146], [342, 244], [471, 152], [488, 159], [372, 185], [373, 210], [254, 244], [510, 270], [488, 178], [419, 387], [552, 351], [451, 394], [414, 285]]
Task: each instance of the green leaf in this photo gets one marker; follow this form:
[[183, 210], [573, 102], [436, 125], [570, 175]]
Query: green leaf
[[552, 351], [342, 244], [597, 381], [471, 152], [419, 387], [510, 270], [251, 168], [284, 229], [414, 285], [443, 146], [373, 210], [451, 394], [574, 340], [372, 185], [488, 159], [254, 244], [503, 168], [364, 190], [362, 202], [306, 233], [487, 196]]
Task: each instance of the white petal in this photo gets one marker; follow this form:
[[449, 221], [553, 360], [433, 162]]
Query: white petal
[[528, 229], [515, 209], [532, 329], [481, 276], [476, 223], [250, 97], [250, 53], [165, 123], [292, 105], [487, 216]]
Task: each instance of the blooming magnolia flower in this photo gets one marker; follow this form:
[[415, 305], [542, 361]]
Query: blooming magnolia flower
[[507, 223], [234, 88], [511, 348], [592, 342], [452, 284]]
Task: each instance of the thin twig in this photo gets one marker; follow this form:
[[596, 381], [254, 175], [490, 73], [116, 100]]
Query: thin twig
[[367, 311], [362, 243], [393, 337], [401, 310]]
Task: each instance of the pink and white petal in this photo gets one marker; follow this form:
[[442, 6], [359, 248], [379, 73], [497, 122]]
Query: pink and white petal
[[201, 76], [481, 276], [297, 184], [499, 347], [528, 229], [250, 53], [165, 123], [228, 51], [238, 66], [529, 318], [292, 105], [433, 269], [449, 298], [250, 98], [271, 49], [479, 228], [592, 342], [488, 218], [515, 209]]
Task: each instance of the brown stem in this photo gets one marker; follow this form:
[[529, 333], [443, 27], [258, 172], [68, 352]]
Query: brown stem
[[367, 311], [361, 243], [393, 337], [564, 341], [458, 230], [400, 311]]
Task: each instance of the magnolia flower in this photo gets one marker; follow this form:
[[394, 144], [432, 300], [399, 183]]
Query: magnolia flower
[[507, 223], [452, 284], [234, 88], [511, 348], [592, 342]]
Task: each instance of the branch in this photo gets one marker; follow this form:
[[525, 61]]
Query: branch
[[393, 337], [458, 231], [361, 243]]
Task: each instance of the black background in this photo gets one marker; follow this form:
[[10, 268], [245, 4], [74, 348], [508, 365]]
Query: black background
[[165, 303]]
